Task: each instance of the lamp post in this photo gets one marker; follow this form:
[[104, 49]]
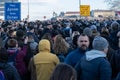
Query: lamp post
[[28, 10], [79, 3], [79, 6]]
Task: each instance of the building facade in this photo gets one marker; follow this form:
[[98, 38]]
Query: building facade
[[73, 15], [2, 2], [103, 13]]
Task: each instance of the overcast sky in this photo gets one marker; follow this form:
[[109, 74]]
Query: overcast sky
[[40, 8]]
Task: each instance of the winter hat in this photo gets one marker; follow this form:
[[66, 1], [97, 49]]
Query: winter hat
[[93, 27], [87, 31], [100, 43]]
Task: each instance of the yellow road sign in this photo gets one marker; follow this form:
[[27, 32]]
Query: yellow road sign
[[85, 10]]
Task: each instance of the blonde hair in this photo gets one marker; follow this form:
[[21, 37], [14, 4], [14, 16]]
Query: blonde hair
[[60, 45]]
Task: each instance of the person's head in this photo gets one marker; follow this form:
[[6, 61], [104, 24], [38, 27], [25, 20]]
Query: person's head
[[49, 26], [105, 31], [31, 28], [74, 41], [48, 37], [11, 33], [31, 43], [83, 42], [63, 72], [1, 29], [12, 43], [87, 31], [93, 27], [30, 38], [75, 33], [100, 43], [20, 34], [60, 45], [44, 45], [115, 26]]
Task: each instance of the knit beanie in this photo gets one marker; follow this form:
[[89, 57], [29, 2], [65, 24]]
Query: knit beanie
[[100, 43], [93, 27], [87, 31]]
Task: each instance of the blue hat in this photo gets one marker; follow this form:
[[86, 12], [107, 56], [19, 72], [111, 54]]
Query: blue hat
[[93, 27], [100, 43]]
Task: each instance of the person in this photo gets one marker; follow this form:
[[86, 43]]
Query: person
[[43, 63], [9, 36], [74, 42], [60, 47], [32, 49], [31, 32], [115, 28], [63, 72], [9, 72], [94, 65], [88, 31], [16, 56], [48, 36], [115, 62], [74, 57]]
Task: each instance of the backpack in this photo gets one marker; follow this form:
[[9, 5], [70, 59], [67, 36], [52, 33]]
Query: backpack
[[2, 76]]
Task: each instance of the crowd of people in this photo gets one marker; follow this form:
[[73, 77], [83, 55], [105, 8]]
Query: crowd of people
[[60, 49]]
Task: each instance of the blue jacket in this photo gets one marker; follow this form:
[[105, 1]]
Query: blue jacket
[[9, 72], [94, 66], [74, 57]]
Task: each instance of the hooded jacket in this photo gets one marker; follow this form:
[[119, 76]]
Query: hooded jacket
[[42, 64], [94, 66]]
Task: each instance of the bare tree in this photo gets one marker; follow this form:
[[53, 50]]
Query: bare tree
[[114, 4]]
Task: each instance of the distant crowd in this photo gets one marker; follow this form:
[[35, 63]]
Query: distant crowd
[[60, 50]]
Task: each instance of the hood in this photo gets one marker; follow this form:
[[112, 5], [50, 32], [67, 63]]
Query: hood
[[44, 45], [90, 55]]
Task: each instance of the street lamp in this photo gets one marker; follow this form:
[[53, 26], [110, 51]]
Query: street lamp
[[79, 6], [79, 3], [28, 10]]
